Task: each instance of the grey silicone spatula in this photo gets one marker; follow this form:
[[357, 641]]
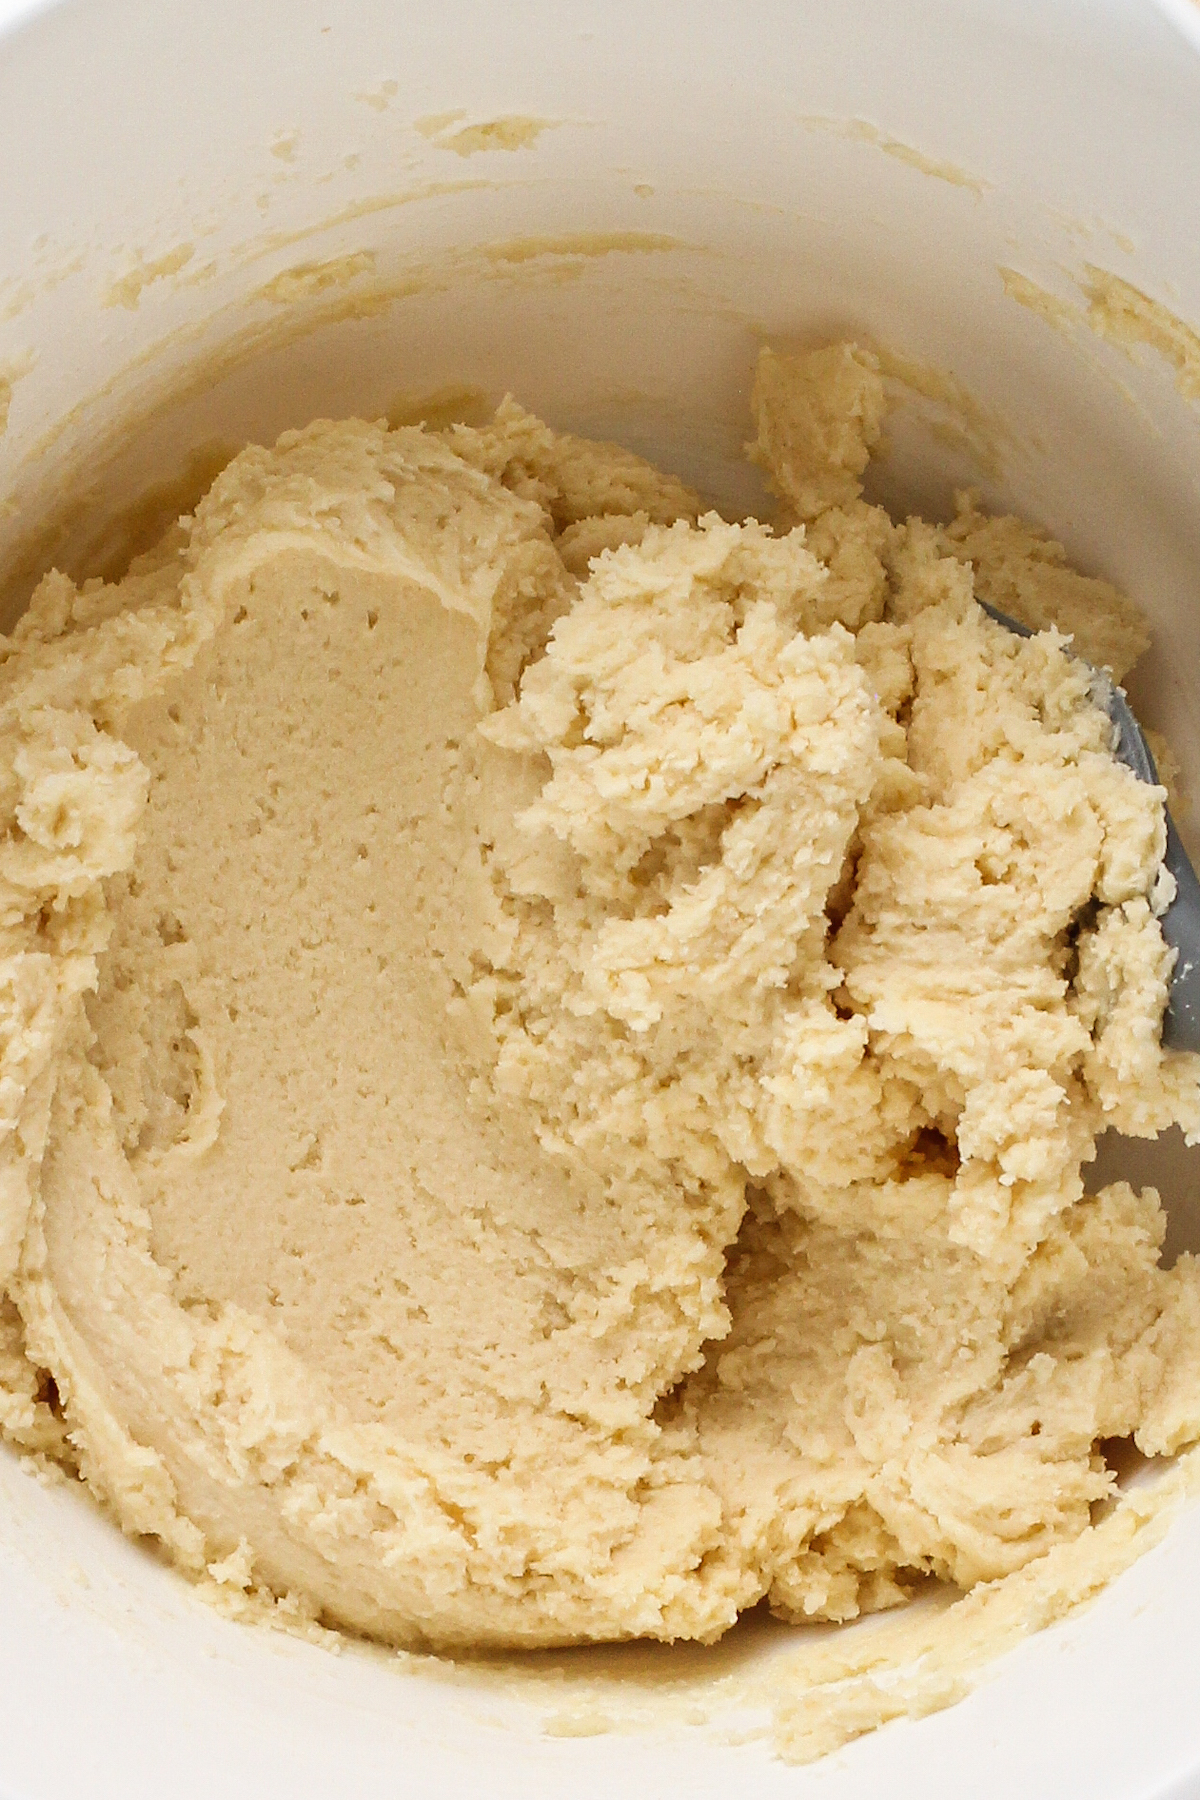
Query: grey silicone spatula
[[1181, 921]]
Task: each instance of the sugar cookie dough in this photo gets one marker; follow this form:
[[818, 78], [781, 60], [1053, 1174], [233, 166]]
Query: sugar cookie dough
[[549, 1038]]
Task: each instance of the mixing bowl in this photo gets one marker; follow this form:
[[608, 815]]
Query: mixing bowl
[[223, 220]]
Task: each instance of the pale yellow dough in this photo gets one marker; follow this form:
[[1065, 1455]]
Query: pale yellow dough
[[549, 1039]]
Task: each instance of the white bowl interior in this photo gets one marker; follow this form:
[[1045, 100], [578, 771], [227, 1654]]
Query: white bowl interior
[[232, 219]]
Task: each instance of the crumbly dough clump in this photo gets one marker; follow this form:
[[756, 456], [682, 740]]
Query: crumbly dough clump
[[549, 1038]]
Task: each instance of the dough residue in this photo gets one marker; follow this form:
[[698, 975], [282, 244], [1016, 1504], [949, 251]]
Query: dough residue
[[308, 279], [515, 131], [127, 291], [1126, 316], [550, 1040], [10, 374], [1119, 313], [864, 132]]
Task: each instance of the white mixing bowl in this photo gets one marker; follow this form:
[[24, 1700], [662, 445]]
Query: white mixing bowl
[[221, 219]]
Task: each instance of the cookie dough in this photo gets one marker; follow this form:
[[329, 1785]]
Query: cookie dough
[[549, 1039]]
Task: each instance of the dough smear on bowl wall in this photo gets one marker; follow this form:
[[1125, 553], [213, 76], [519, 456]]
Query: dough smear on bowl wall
[[551, 1038]]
